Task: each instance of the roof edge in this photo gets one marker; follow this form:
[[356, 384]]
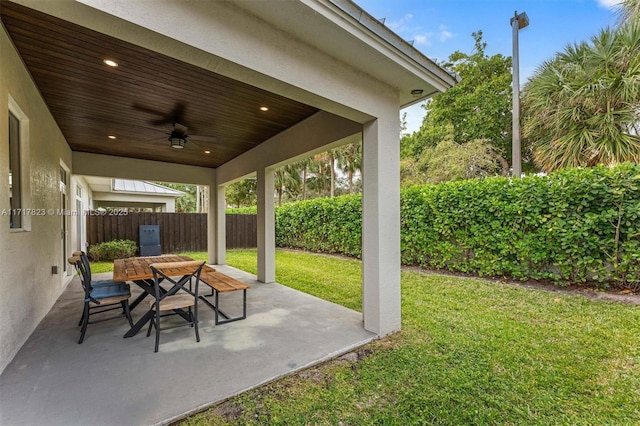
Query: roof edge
[[388, 37]]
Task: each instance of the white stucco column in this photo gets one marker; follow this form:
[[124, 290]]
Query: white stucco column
[[213, 252], [381, 225], [221, 224], [266, 226]]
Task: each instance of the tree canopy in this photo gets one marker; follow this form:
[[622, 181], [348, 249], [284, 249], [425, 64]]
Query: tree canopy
[[476, 110]]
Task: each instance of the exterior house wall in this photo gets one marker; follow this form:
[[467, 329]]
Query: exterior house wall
[[167, 204], [28, 286], [78, 219]]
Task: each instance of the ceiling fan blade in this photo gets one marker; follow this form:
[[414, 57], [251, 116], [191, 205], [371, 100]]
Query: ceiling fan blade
[[162, 121], [148, 110], [202, 138], [164, 118], [175, 116], [198, 145], [180, 127]]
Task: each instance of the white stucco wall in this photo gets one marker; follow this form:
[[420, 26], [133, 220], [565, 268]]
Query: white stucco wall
[[27, 285]]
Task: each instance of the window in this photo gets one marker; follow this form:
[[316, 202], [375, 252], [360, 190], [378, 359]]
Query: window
[[15, 173], [79, 218], [19, 185]]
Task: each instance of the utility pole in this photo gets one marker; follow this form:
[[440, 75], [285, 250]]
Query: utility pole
[[518, 22]]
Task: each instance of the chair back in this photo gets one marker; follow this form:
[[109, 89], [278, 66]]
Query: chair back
[[84, 271], [85, 261], [163, 272]]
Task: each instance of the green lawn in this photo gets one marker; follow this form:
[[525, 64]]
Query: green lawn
[[470, 352]]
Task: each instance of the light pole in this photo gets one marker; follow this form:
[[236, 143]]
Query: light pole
[[518, 22]]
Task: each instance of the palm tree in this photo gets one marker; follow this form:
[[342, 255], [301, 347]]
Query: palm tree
[[581, 108], [324, 164], [303, 167], [630, 11], [287, 179], [319, 176], [349, 159]]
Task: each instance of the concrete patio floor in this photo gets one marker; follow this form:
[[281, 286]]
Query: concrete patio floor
[[109, 380]]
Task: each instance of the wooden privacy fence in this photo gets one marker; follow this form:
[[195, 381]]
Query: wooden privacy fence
[[179, 232]]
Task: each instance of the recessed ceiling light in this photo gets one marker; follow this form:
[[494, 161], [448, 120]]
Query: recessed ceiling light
[[264, 108], [110, 62], [111, 137], [207, 152]]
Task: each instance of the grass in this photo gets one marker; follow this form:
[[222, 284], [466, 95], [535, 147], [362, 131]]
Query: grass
[[101, 267], [470, 352]]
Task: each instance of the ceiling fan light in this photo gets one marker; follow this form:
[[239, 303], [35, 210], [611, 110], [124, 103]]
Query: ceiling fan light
[[177, 142]]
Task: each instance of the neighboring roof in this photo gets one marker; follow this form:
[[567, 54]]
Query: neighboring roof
[[143, 187], [106, 185]]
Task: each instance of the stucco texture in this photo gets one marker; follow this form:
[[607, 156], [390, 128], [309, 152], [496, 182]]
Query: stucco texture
[[28, 287]]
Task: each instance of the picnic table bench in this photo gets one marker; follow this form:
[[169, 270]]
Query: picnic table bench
[[221, 283]]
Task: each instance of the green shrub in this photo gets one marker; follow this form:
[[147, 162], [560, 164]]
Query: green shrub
[[573, 226], [110, 250], [330, 225]]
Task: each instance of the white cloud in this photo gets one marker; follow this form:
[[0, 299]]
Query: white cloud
[[423, 39], [405, 29], [608, 4], [401, 25], [444, 33]]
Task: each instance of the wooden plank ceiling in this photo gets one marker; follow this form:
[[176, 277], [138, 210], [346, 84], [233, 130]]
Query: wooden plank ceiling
[[139, 100]]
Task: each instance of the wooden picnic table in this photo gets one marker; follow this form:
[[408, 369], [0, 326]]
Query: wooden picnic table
[[138, 270]]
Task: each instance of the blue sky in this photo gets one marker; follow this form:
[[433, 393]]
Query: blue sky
[[440, 27]]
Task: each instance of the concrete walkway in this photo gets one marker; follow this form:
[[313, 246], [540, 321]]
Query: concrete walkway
[[109, 380]]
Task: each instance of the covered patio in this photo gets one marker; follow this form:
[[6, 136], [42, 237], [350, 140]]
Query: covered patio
[[109, 380], [205, 93]]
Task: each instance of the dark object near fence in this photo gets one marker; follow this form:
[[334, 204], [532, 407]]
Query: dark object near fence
[[150, 240], [179, 232]]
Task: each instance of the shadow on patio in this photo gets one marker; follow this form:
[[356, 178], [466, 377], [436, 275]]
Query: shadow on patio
[[109, 380]]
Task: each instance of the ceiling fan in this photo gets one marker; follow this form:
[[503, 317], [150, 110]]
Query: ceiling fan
[[178, 136]]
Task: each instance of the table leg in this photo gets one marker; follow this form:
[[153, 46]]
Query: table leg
[[139, 299], [147, 289], [141, 323]]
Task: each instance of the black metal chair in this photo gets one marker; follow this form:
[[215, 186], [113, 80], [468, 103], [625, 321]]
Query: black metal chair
[[94, 283], [99, 296], [180, 296]]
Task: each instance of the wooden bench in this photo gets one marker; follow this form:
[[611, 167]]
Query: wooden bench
[[221, 283]]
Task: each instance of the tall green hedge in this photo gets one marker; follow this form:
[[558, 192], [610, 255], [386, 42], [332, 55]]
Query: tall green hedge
[[573, 226], [330, 225]]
